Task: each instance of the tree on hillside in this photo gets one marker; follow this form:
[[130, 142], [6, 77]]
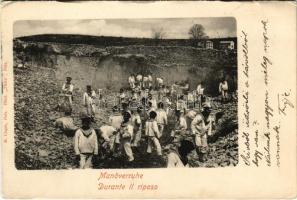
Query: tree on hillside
[[158, 33], [197, 31]]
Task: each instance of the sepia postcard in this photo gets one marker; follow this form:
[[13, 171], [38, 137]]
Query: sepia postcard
[[158, 100]]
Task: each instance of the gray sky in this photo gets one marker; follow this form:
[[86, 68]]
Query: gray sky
[[173, 28]]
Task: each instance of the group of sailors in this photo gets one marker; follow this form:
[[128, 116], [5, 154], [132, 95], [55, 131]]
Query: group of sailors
[[141, 118]]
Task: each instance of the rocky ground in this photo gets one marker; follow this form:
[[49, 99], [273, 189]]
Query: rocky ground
[[39, 145]]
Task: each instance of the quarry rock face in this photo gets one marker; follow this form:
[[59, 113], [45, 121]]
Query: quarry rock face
[[110, 66]]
